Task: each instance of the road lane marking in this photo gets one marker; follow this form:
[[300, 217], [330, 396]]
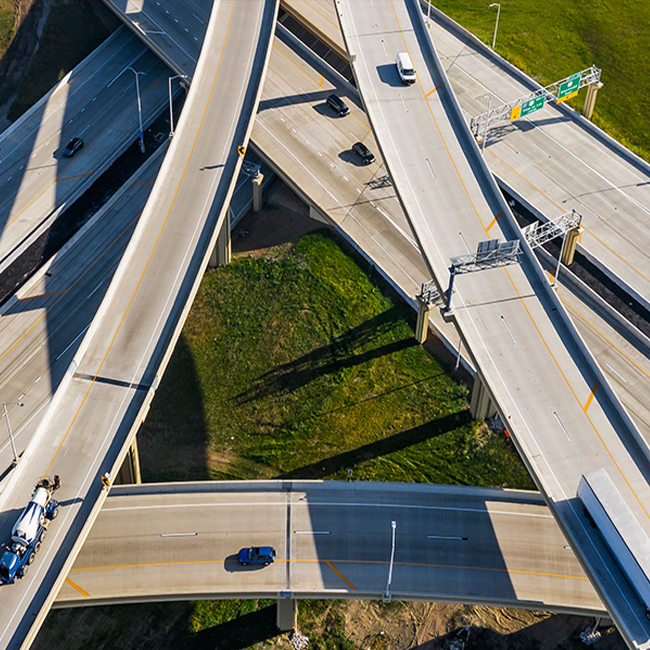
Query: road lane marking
[[340, 575], [493, 221], [433, 91], [178, 534], [566, 433], [78, 588], [56, 302], [311, 532], [43, 295], [616, 373], [153, 250], [591, 396]]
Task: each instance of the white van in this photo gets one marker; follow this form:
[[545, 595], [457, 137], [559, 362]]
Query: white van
[[405, 68]]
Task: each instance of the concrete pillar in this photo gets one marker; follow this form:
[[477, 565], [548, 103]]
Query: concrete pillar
[[287, 614], [257, 192], [481, 406], [222, 249], [422, 324], [130, 471], [590, 99], [570, 241]]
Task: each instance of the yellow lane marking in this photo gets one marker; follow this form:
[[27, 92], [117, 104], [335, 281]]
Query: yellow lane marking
[[320, 13], [529, 182], [623, 259], [143, 184], [611, 250], [444, 142], [277, 49], [552, 275], [78, 588], [330, 564], [69, 178], [153, 250], [521, 300], [56, 180], [320, 83], [438, 87], [340, 575], [619, 350], [591, 396], [493, 221], [557, 365], [56, 302], [43, 295]]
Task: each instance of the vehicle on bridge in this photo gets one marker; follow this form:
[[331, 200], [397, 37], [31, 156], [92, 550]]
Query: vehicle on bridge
[[405, 68], [256, 555], [28, 532], [620, 530]]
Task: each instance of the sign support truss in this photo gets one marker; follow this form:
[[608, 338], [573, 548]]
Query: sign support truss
[[557, 92]]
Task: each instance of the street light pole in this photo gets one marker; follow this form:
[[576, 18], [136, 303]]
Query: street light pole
[[11, 435], [393, 525], [428, 11], [137, 90], [171, 110], [496, 26]]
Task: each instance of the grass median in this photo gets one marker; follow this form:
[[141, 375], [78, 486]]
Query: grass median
[[296, 365]]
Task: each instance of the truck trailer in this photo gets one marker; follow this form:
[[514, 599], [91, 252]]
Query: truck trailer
[[620, 529], [27, 533]]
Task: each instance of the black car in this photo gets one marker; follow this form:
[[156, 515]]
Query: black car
[[337, 105], [363, 152], [72, 147]]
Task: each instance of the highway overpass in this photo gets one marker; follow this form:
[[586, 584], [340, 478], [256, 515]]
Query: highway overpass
[[96, 102], [333, 183], [550, 392], [333, 540], [110, 382]]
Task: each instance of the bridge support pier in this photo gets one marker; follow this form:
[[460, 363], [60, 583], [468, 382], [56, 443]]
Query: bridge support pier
[[481, 406], [287, 614], [222, 249], [129, 473], [570, 241], [590, 99], [422, 324], [257, 192]]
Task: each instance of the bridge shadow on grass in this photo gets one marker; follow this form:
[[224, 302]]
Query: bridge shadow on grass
[[382, 447], [242, 632], [328, 359]]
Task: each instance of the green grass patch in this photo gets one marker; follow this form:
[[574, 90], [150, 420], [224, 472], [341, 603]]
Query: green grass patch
[[297, 365], [8, 14], [71, 33], [551, 39]]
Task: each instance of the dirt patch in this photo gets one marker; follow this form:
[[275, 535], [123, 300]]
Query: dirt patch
[[283, 219]]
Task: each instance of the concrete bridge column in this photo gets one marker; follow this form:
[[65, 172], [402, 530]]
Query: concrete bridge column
[[481, 406], [130, 471], [287, 614], [257, 192], [422, 324], [570, 241], [222, 252], [590, 99]]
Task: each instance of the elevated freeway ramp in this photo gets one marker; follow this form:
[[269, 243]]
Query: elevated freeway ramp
[[111, 380], [333, 540], [550, 392]]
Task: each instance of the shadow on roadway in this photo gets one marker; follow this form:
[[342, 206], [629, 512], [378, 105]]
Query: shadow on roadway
[[388, 74], [389, 445], [348, 156], [302, 98]]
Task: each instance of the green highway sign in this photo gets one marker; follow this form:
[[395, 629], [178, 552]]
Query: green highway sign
[[528, 107], [570, 87]]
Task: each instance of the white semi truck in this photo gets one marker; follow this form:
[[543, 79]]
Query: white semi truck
[[626, 540], [28, 532]]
